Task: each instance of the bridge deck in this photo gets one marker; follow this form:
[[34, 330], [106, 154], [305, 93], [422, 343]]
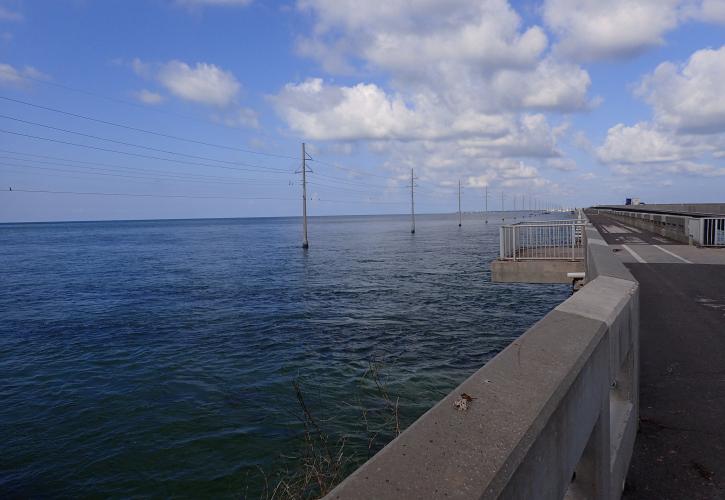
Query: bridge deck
[[680, 449]]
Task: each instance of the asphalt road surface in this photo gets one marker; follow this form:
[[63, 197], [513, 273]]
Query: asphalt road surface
[[680, 449]]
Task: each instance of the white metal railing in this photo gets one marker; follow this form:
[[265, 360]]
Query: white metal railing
[[549, 240], [712, 231]]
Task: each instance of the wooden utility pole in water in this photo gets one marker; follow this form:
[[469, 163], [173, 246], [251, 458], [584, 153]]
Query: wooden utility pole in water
[[485, 204], [412, 203], [305, 243], [459, 202]]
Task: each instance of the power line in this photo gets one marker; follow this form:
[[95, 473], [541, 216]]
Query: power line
[[108, 173], [139, 155], [113, 167], [134, 104], [347, 181], [118, 168], [146, 131], [145, 195], [214, 197], [350, 169], [137, 173], [148, 148]]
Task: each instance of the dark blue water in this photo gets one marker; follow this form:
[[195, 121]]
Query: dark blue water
[[157, 358]]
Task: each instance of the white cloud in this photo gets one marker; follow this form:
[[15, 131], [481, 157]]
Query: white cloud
[[687, 132], [713, 11], [363, 111], [689, 97], [644, 148], [589, 30], [204, 83], [11, 75], [366, 112], [592, 29], [551, 85], [640, 143], [709, 11], [149, 97], [451, 88], [469, 54]]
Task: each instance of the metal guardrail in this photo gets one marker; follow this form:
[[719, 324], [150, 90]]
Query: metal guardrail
[[543, 240], [702, 231], [709, 231]]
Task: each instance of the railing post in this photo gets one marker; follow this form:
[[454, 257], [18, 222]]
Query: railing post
[[501, 242], [573, 240], [513, 239]]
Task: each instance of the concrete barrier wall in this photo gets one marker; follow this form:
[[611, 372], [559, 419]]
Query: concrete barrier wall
[[670, 226], [553, 415], [681, 208]]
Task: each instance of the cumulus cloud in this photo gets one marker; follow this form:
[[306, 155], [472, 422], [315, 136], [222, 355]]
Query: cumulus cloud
[[467, 54], [591, 29], [641, 143], [486, 32], [687, 132], [366, 112], [689, 97], [645, 148], [362, 111], [710, 11], [455, 86], [203, 83]]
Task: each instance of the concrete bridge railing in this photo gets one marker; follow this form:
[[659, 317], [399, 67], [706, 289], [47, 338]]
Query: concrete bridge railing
[[554, 415]]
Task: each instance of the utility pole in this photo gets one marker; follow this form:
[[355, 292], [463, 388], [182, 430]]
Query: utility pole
[[412, 203], [305, 243], [459, 202], [485, 205]]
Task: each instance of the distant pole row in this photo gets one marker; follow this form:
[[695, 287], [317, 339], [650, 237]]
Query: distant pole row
[[534, 204]]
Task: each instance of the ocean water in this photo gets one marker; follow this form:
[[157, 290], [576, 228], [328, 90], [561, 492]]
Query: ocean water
[[157, 358]]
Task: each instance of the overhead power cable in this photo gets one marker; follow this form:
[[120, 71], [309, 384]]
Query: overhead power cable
[[107, 173], [139, 155], [148, 148], [148, 195], [113, 167], [208, 197], [146, 131], [350, 169], [134, 104]]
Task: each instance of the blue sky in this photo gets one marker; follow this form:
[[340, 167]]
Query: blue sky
[[565, 101]]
